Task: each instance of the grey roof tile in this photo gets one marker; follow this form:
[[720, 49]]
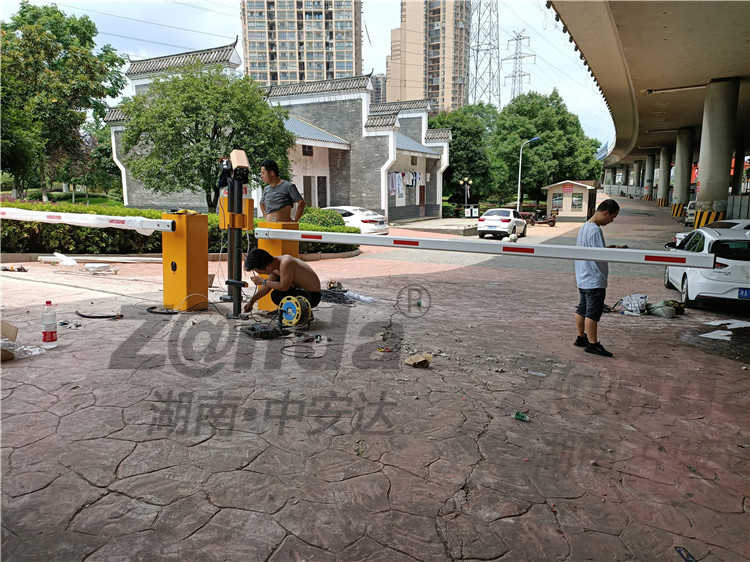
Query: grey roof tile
[[216, 55], [438, 135], [114, 114], [396, 106], [353, 84], [304, 130], [407, 143], [381, 120]]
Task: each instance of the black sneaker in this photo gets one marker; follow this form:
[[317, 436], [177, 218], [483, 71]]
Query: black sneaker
[[581, 341], [597, 349]]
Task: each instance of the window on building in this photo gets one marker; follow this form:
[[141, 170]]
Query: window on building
[[413, 160], [557, 200], [577, 203], [307, 150], [141, 89]]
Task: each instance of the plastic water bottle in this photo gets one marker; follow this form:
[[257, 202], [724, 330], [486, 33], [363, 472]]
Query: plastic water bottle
[[49, 326]]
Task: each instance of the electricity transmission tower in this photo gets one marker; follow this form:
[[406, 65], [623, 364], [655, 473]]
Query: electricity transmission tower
[[484, 76], [518, 75]]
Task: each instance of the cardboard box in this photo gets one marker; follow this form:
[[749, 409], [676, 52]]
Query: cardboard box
[[10, 332]]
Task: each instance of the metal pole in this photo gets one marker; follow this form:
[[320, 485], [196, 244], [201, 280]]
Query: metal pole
[[520, 155], [235, 245]]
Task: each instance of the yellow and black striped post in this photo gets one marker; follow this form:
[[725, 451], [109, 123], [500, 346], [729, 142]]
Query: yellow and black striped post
[[662, 202], [678, 210], [703, 218]]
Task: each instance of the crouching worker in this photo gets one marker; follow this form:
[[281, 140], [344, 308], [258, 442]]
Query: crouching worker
[[287, 276]]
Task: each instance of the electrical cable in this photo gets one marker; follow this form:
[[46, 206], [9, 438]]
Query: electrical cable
[[102, 316], [144, 21]]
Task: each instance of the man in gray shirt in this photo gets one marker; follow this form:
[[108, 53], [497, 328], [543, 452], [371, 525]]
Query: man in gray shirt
[[591, 278], [281, 202]]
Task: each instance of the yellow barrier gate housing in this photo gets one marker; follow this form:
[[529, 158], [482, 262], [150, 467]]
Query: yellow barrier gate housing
[[276, 248], [185, 262]]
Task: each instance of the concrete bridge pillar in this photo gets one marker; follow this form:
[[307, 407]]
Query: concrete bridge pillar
[[638, 166], [662, 196], [648, 177], [739, 162], [717, 145], [682, 164]]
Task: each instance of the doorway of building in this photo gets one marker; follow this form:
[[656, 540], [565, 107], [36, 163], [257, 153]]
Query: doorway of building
[[307, 183], [422, 199], [322, 191]]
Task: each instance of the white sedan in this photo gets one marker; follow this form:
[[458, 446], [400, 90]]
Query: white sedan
[[501, 222], [734, 224], [368, 222], [730, 278]]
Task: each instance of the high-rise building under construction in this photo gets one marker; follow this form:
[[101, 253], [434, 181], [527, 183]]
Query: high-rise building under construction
[[430, 53], [288, 41]]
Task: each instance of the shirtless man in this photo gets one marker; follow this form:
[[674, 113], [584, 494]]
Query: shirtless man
[[287, 276], [281, 202]]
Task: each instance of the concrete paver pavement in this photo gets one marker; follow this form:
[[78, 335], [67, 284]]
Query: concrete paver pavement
[[179, 438]]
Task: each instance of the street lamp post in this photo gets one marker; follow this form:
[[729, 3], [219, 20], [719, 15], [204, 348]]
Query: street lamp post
[[520, 157], [466, 182]]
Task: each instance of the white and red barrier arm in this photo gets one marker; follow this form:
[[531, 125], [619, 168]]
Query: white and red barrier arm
[[643, 257], [141, 225]]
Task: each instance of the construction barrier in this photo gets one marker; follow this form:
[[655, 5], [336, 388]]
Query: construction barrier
[[703, 218], [678, 210], [648, 197], [643, 257]]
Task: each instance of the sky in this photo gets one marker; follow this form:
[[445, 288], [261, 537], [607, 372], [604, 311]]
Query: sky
[[198, 24]]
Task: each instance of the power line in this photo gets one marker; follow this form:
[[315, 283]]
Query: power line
[[205, 9], [147, 41], [518, 74], [145, 21]]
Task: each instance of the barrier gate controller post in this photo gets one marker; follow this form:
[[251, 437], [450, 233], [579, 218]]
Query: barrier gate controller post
[[185, 262]]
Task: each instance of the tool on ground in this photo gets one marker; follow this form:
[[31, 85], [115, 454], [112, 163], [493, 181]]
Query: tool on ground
[[684, 554], [18, 268], [294, 311]]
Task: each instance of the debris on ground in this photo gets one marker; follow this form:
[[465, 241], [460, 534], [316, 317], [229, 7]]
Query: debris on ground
[[383, 349], [15, 268], [520, 416], [10, 349], [419, 360], [100, 269], [65, 260], [263, 331]]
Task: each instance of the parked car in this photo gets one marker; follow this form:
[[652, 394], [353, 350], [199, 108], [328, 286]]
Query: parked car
[[690, 213], [730, 279], [500, 223], [734, 224], [368, 222]]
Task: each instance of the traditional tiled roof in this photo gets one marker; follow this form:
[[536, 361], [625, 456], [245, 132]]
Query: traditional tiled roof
[[407, 143], [396, 106], [306, 131], [438, 135], [217, 55], [338, 85], [581, 183], [381, 120], [114, 114]]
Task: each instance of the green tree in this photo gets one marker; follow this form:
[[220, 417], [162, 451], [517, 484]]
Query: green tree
[[51, 78], [470, 127], [564, 151], [179, 129]]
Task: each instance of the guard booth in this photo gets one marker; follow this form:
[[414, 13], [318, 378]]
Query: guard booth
[[571, 200]]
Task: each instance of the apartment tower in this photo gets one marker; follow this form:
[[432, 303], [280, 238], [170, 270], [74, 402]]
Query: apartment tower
[[287, 41], [379, 89], [430, 54]]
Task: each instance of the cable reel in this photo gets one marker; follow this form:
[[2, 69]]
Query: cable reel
[[294, 310]]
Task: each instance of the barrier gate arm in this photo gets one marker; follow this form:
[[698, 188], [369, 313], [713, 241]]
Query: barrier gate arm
[[643, 257], [141, 225]]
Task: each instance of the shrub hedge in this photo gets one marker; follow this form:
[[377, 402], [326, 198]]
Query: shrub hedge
[[36, 237]]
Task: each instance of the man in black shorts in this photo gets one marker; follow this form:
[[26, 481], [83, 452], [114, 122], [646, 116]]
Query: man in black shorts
[[287, 276], [591, 278]]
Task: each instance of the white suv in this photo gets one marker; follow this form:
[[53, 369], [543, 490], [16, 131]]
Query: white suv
[[730, 278], [501, 222]]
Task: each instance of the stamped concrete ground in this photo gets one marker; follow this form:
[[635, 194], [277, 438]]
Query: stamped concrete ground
[[180, 438]]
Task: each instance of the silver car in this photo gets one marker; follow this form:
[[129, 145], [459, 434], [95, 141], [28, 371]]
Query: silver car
[[500, 223]]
